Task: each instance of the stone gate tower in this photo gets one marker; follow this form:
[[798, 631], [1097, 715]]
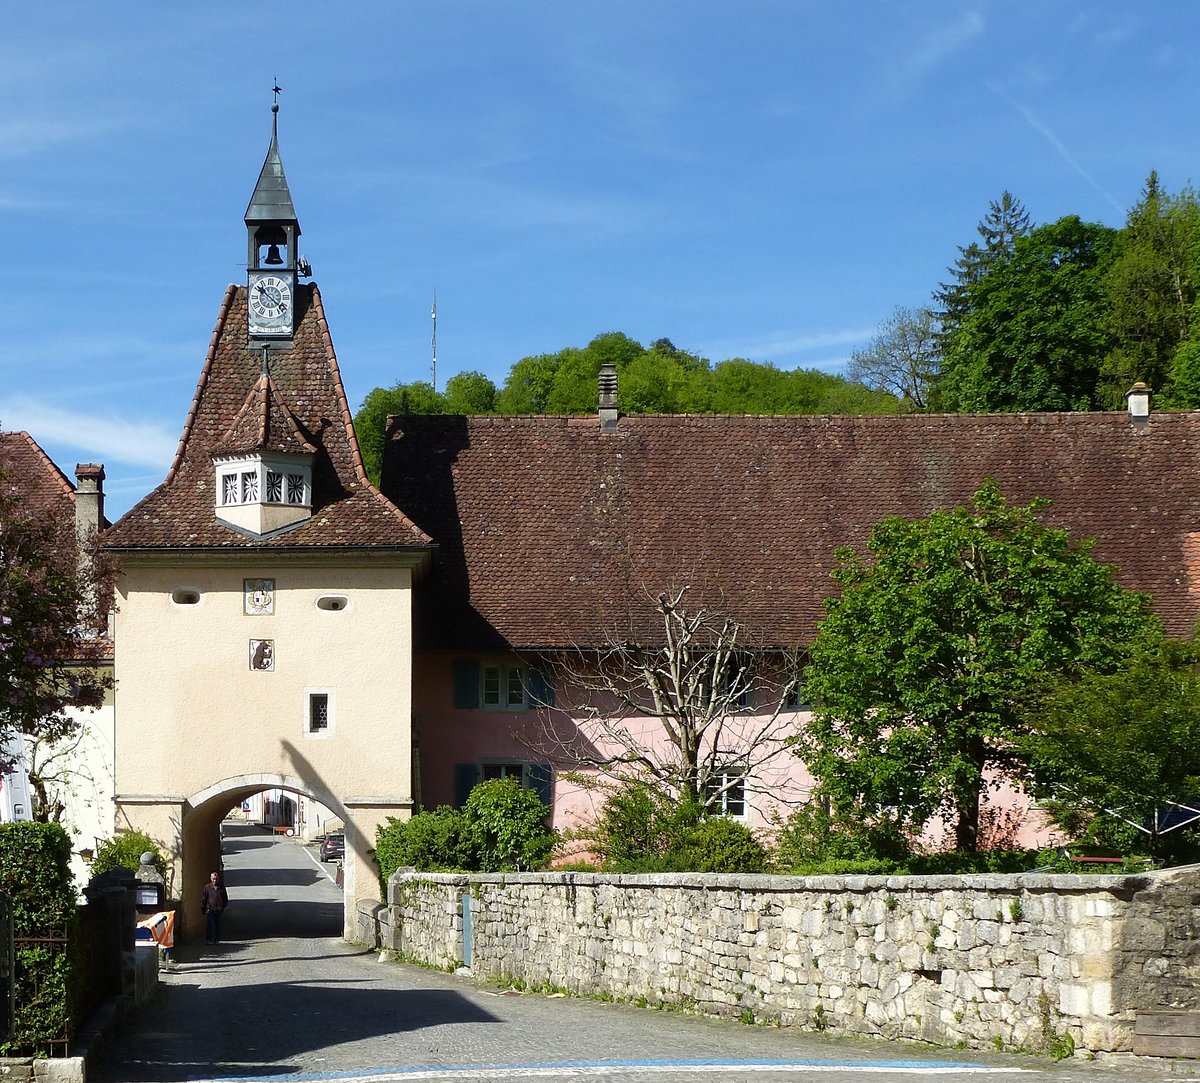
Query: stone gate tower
[[264, 629]]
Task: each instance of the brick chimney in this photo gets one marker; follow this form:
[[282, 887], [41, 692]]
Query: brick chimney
[[89, 499], [608, 398]]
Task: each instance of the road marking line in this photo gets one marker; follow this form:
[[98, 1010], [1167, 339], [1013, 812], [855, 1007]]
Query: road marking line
[[594, 1070]]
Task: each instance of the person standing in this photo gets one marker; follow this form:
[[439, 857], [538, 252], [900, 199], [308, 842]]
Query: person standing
[[214, 900]]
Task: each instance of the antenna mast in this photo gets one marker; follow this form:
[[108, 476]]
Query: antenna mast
[[433, 344]]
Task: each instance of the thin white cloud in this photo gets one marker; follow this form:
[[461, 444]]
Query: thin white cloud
[[913, 63], [110, 438], [786, 345], [19, 138], [1043, 130]]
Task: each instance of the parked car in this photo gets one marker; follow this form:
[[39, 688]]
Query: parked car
[[333, 846]]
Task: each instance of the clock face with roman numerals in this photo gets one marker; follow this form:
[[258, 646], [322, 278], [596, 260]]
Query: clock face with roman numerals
[[270, 305]]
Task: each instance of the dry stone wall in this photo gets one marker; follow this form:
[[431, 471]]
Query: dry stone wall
[[1028, 961]]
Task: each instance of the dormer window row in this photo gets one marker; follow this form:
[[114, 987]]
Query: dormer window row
[[243, 485], [261, 493]]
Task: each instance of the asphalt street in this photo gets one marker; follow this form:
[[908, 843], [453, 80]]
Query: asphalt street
[[284, 998]]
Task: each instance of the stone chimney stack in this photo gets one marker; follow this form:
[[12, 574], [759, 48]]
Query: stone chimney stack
[[1138, 398], [89, 499], [608, 398]]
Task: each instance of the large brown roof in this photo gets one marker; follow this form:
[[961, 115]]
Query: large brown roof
[[306, 383], [44, 493], [41, 487], [546, 527]]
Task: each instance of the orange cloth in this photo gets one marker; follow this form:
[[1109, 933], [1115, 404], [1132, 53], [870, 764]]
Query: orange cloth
[[161, 927]]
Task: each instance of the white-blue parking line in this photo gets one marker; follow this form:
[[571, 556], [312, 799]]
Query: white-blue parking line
[[600, 1069]]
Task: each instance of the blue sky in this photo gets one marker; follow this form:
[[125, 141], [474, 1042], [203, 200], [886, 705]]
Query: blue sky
[[761, 179]]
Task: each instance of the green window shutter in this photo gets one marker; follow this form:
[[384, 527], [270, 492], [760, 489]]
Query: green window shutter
[[541, 780], [465, 777], [539, 689], [466, 684]]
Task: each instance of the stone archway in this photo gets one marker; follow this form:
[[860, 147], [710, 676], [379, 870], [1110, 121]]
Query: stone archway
[[189, 828]]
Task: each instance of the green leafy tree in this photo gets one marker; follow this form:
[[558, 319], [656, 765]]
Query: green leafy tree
[[527, 389], [1123, 744], [665, 380], [370, 423], [430, 841], [902, 359], [739, 386], [508, 827], [124, 850], [1151, 291], [1037, 330], [54, 592], [35, 874], [928, 660], [575, 389], [470, 393]]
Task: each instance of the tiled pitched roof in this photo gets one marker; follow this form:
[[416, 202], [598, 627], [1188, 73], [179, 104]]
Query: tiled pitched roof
[[546, 527], [347, 510], [42, 491], [264, 423], [40, 485]]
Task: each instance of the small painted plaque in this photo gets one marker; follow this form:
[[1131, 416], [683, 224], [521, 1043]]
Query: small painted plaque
[[259, 596], [262, 654]]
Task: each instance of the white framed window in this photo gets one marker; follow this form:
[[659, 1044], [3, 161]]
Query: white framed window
[[251, 480], [511, 769], [502, 687], [725, 793], [319, 714]]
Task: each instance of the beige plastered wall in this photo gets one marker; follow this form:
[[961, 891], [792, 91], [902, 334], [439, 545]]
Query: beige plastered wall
[[199, 730]]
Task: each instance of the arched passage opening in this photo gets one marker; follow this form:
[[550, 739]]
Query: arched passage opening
[[201, 839], [189, 829]]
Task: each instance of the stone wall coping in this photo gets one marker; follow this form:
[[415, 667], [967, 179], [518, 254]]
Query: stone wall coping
[[1056, 883]]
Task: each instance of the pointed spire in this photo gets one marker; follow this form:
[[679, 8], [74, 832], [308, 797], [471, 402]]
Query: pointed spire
[[272, 201]]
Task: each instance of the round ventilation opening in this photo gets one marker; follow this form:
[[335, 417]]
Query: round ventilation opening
[[184, 596], [332, 602]]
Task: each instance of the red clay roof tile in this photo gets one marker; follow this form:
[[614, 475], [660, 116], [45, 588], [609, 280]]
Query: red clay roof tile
[[306, 383], [547, 528]]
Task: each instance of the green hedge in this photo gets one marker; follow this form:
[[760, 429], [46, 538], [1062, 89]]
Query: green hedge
[[35, 874], [501, 828], [124, 850]]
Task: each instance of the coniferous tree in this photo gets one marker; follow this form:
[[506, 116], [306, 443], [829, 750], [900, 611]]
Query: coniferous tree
[[1005, 221]]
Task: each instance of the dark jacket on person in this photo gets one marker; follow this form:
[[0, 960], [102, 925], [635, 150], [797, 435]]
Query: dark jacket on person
[[214, 897]]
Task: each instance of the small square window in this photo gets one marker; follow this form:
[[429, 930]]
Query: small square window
[[516, 687], [274, 487], [502, 688], [250, 487], [725, 793], [492, 771], [229, 489], [318, 712], [295, 489], [491, 685]]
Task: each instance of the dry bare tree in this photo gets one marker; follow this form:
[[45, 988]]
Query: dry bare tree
[[691, 705]]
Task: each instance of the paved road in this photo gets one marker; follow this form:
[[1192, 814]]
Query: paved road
[[284, 998]]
